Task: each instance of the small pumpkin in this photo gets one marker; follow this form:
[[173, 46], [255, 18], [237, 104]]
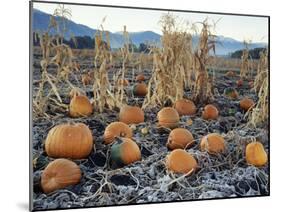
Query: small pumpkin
[[210, 112], [246, 104], [124, 151], [86, 79], [231, 93], [179, 161], [116, 129], [230, 74], [239, 83], [185, 107], [168, 117], [255, 154], [140, 89], [123, 82], [140, 77], [59, 174], [213, 143], [79, 106], [179, 138], [69, 141], [131, 115]]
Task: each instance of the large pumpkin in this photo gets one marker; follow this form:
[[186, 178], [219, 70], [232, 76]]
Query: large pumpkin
[[210, 112], [213, 143], [116, 129], [179, 161], [255, 154], [124, 151], [69, 141], [246, 104], [80, 106], [179, 138], [231, 93], [185, 107], [140, 89], [168, 117], [59, 174], [131, 115]]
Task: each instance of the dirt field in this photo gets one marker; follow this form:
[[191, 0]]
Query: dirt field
[[146, 181]]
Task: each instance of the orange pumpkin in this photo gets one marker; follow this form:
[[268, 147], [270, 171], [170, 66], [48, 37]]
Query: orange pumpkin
[[69, 141], [140, 78], [131, 115], [179, 138], [213, 143], [210, 112], [123, 82], [246, 104], [255, 154], [80, 106], [116, 129], [168, 117], [124, 151], [179, 161], [59, 174], [185, 107], [140, 89]]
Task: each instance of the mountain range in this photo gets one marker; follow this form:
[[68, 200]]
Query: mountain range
[[41, 21]]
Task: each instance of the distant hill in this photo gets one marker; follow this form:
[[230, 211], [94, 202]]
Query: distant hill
[[225, 46]]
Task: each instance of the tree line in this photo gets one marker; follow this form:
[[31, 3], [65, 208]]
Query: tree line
[[253, 53], [86, 42]]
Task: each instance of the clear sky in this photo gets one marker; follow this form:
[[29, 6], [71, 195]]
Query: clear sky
[[237, 27]]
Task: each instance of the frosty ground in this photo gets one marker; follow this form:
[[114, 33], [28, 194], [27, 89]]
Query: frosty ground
[[146, 181]]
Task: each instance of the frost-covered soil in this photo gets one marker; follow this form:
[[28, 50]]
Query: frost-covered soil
[[147, 181]]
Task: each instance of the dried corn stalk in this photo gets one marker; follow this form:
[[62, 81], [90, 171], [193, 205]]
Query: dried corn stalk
[[261, 70], [54, 52], [171, 64], [259, 114], [202, 91], [245, 65], [107, 95]]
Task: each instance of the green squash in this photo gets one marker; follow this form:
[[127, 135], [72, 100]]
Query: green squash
[[124, 151]]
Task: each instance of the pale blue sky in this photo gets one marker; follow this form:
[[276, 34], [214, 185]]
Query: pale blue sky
[[237, 27]]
